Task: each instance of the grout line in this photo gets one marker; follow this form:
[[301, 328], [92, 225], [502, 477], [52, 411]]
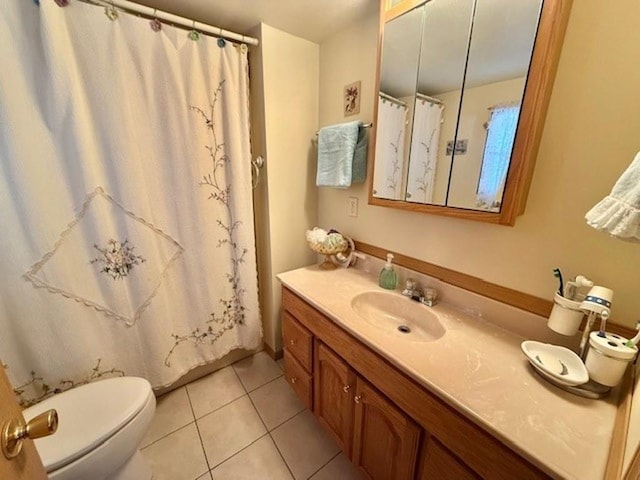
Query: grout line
[[327, 463], [206, 459], [268, 381], [239, 451], [271, 436], [290, 418], [218, 408], [166, 435]]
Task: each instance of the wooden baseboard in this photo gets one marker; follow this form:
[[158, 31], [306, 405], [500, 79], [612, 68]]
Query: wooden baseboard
[[276, 355], [515, 298]]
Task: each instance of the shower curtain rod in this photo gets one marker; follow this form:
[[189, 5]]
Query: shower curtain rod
[[422, 96], [392, 99], [145, 11]]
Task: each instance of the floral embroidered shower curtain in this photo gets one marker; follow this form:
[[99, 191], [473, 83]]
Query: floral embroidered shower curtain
[[125, 191]]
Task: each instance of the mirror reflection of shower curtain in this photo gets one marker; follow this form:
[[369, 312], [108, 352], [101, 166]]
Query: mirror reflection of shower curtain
[[501, 133], [425, 140], [127, 213], [390, 148]]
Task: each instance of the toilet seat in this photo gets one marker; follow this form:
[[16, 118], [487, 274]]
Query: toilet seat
[[89, 416]]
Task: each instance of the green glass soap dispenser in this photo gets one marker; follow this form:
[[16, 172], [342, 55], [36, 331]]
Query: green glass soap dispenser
[[388, 278]]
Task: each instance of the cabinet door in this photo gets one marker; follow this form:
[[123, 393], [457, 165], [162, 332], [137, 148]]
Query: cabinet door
[[334, 390], [440, 464], [385, 440]]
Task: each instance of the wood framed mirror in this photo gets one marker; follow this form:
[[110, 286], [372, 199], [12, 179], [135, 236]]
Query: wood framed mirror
[[461, 97]]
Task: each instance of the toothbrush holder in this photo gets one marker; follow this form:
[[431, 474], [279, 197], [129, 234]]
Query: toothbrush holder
[[608, 358], [566, 316]]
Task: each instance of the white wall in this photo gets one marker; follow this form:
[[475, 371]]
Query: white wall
[[284, 103], [591, 134]]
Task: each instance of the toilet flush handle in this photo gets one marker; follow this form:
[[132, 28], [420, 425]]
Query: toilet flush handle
[[15, 431]]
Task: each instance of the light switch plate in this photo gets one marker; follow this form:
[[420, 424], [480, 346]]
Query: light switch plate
[[353, 206]]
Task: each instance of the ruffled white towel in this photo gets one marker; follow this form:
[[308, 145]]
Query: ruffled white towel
[[619, 212]]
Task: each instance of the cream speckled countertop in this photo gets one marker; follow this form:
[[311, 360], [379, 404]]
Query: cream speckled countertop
[[479, 369]]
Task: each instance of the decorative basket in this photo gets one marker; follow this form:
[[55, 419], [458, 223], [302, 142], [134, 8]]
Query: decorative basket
[[338, 245]]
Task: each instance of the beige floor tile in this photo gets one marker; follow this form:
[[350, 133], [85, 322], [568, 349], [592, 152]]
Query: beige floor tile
[[276, 402], [260, 460], [214, 391], [304, 445], [178, 456], [206, 476], [338, 468], [229, 429], [172, 412], [257, 370], [281, 364]]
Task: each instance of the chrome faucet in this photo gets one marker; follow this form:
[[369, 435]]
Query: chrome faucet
[[427, 296]]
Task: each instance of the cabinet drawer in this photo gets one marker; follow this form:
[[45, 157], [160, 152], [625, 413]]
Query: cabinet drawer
[[297, 340], [299, 379]]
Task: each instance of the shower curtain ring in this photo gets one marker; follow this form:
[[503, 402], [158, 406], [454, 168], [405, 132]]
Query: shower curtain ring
[[193, 34], [156, 25], [111, 12]]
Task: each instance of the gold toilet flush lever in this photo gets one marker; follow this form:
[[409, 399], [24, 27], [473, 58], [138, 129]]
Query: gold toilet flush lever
[[14, 431]]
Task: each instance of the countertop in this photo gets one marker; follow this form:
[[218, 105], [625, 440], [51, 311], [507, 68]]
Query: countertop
[[479, 369]]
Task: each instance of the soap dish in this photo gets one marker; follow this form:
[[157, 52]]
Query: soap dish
[[558, 364]]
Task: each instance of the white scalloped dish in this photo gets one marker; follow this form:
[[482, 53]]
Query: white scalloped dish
[[559, 363]]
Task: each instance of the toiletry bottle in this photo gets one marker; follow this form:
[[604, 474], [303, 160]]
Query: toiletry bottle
[[388, 278]]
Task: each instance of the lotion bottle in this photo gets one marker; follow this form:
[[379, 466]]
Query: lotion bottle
[[388, 277]]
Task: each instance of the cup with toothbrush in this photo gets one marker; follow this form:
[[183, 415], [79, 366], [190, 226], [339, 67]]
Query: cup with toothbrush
[[566, 315]]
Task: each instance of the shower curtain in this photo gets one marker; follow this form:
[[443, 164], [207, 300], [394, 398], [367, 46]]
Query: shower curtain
[[390, 149], [125, 185], [425, 141]]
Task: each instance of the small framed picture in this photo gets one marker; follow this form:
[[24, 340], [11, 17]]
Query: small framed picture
[[352, 99]]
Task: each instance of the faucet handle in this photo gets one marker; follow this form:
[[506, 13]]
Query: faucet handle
[[409, 287], [430, 296]]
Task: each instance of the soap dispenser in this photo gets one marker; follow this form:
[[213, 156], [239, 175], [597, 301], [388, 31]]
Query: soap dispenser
[[388, 278]]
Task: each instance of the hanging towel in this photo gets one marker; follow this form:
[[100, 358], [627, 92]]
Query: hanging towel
[[336, 149], [619, 212], [359, 168]]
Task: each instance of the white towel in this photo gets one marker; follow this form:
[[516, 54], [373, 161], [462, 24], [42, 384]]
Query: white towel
[[619, 212]]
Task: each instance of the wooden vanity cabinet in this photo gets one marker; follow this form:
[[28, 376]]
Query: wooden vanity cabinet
[[298, 343], [438, 463], [379, 438], [378, 414], [334, 391], [385, 439]]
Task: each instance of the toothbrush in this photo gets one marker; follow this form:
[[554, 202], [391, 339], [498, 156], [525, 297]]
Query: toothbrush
[[634, 341], [558, 274], [603, 323]]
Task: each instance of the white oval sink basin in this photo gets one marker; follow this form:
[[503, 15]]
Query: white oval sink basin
[[398, 316]]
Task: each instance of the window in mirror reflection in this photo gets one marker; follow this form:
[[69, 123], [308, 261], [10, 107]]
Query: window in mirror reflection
[[501, 132]]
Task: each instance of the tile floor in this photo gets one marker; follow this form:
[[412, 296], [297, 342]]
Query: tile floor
[[243, 422]]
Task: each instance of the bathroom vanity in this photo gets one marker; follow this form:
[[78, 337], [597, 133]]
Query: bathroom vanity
[[462, 405]]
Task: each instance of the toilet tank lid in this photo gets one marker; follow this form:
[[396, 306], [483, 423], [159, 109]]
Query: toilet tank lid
[[88, 415]]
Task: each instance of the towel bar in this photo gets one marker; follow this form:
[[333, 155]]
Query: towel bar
[[364, 125]]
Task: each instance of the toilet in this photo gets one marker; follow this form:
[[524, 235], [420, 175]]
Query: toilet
[[101, 425]]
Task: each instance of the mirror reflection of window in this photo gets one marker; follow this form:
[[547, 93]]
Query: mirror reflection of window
[[425, 143], [501, 132], [390, 147]]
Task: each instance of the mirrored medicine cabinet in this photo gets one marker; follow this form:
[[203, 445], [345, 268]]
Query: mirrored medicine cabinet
[[462, 92]]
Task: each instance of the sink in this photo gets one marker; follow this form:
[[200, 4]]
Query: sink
[[398, 316]]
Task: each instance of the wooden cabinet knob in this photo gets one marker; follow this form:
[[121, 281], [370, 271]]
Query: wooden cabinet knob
[[294, 379], [357, 398], [292, 342], [346, 388]]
